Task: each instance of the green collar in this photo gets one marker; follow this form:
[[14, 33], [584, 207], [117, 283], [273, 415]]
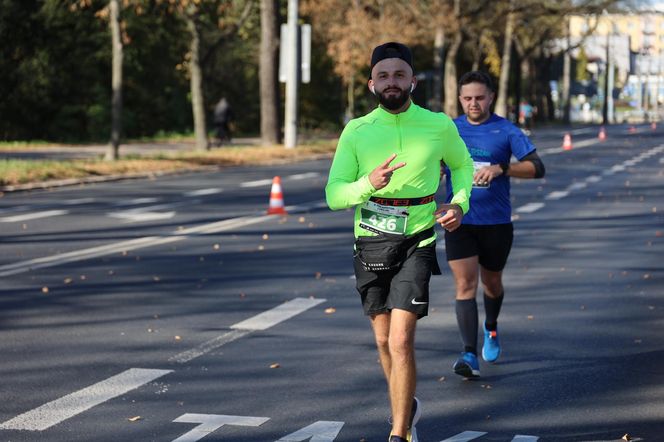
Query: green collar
[[384, 115]]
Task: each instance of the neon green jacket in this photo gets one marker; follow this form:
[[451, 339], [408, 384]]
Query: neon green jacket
[[421, 139]]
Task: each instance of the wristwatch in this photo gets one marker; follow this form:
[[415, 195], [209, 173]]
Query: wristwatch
[[505, 167]]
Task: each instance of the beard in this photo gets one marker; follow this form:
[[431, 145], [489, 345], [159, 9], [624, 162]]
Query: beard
[[393, 102]]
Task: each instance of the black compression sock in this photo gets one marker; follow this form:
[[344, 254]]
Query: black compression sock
[[492, 310], [466, 313]]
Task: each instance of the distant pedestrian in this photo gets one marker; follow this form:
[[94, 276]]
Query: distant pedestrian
[[223, 114], [526, 112]]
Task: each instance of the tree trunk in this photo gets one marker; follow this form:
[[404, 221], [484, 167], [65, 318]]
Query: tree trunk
[[197, 102], [113, 151], [503, 82], [436, 101], [451, 93], [350, 100], [566, 86], [478, 52], [269, 75]]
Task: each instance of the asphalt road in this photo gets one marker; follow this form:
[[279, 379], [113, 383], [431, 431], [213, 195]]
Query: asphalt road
[[174, 309]]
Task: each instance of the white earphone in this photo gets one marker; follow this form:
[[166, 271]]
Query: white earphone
[[373, 90], [412, 88]]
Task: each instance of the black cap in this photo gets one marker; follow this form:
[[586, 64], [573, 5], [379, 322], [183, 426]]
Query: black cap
[[391, 50]]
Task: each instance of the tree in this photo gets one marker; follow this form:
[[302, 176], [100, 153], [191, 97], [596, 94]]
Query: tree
[[116, 101], [269, 81]]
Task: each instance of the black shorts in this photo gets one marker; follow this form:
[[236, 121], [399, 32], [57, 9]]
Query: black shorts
[[405, 288], [490, 243]]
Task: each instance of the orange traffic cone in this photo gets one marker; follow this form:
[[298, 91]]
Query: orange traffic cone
[[276, 198], [602, 134], [567, 142], [653, 125]]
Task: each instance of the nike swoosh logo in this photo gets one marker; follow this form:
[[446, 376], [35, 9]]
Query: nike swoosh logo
[[417, 302]]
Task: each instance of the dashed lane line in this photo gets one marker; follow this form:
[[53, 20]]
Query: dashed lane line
[[54, 412], [262, 321], [33, 215], [148, 241], [465, 436]]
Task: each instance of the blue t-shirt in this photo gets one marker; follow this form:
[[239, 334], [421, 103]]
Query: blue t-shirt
[[494, 141]]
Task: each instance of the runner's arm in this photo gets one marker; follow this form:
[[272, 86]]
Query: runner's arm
[[460, 164], [344, 188]]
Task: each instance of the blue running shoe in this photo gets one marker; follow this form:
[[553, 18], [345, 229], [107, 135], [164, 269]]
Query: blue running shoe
[[491, 347], [467, 366]]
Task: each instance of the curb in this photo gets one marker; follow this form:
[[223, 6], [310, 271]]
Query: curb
[[98, 179], [133, 176]]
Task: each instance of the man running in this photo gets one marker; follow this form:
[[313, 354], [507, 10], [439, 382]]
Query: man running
[[480, 247], [387, 165]]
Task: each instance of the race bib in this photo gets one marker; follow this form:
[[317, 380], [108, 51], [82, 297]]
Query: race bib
[[477, 165], [383, 219]]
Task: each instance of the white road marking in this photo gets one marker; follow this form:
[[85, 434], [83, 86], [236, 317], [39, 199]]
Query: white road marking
[[524, 438], [618, 168], [278, 314], [211, 422], [262, 321], [54, 412], [201, 192], [321, 431], [465, 436], [75, 202], [593, 179], [208, 346], [137, 201], [33, 215], [558, 194], [577, 186], [303, 176], [256, 183], [139, 217], [530, 208]]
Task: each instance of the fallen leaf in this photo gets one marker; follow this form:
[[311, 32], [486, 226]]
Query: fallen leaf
[[178, 338], [266, 236], [24, 227], [301, 219], [441, 379], [627, 437], [318, 275], [646, 276], [134, 419], [531, 317], [68, 280], [150, 330], [330, 310], [44, 289], [261, 247], [216, 246], [275, 365]]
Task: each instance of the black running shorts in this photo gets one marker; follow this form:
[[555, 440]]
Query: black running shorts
[[405, 288], [490, 243]]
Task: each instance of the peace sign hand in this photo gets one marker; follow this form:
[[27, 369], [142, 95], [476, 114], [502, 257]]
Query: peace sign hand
[[381, 175]]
